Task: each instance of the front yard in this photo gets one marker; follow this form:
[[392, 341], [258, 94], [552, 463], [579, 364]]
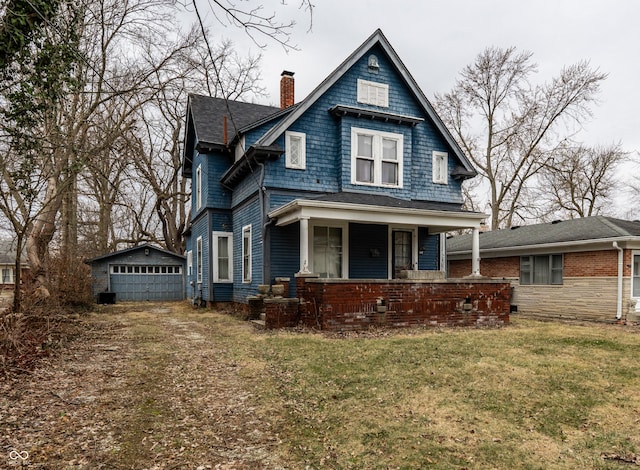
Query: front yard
[[166, 386]]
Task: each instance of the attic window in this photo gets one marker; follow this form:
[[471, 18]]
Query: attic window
[[373, 93]]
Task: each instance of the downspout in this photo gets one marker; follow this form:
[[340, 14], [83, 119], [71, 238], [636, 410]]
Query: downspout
[[620, 274], [266, 252]]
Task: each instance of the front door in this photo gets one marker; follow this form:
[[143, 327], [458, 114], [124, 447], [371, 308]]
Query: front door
[[401, 252]]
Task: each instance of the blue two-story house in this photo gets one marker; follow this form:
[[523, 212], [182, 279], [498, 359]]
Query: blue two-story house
[[358, 181]]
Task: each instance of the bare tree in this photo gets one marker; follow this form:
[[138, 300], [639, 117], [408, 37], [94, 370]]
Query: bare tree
[[510, 128], [579, 181]]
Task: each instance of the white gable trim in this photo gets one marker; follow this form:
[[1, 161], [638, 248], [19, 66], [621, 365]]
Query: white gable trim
[[376, 38]]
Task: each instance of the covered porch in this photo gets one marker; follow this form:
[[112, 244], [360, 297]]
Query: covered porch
[[363, 236], [377, 261]]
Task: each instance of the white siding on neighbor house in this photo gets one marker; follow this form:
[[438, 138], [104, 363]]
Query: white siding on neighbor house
[[581, 298]]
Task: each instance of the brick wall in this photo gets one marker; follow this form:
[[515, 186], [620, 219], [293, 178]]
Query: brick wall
[[588, 290], [353, 305], [281, 313], [491, 267], [591, 264]]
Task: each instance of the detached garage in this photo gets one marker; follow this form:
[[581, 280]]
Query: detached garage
[[143, 272]]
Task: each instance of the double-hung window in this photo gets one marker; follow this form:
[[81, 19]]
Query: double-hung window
[[190, 263], [295, 150], [7, 275], [327, 251], [222, 257], [246, 253], [199, 187], [376, 158], [199, 259], [541, 269]]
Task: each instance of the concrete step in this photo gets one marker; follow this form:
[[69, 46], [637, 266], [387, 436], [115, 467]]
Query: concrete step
[[259, 324]]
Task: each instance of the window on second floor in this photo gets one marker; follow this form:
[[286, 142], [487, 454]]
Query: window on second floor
[[373, 93], [440, 167], [295, 150], [199, 187], [376, 158], [246, 253], [541, 269]]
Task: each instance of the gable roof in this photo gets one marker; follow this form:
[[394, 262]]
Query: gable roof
[[206, 116], [377, 38], [8, 252], [135, 248], [567, 232]]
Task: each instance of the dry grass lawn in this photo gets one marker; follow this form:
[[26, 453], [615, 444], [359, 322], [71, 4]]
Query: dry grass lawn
[[172, 387]]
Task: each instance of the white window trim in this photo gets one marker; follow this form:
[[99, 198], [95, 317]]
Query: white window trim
[[345, 243], [302, 163], [377, 156], [246, 277], [199, 187], [380, 95], [634, 253], [437, 158], [190, 263], [11, 275], [216, 273], [199, 260]]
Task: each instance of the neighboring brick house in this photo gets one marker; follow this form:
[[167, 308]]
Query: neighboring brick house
[[359, 181], [586, 268], [8, 265]]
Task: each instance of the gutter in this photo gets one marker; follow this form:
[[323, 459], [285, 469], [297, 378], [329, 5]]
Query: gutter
[[516, 250], [620, 274]]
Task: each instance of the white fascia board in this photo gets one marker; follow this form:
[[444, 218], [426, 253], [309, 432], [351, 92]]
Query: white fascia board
[[628, 242], [441, 220]]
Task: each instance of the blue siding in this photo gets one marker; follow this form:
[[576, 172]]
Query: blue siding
[[200, 228], [368, 251], [328, 150], [285, 252], [328, 169], [430, 257], [247, 214], [214, 195], [139, 286]]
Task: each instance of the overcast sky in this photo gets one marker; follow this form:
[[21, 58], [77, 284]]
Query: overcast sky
[[436, 40]]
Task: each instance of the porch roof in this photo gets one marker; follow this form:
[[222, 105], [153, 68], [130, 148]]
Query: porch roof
[[378, 209]]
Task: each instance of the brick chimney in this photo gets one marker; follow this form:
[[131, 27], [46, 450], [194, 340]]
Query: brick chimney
[[287, 94]]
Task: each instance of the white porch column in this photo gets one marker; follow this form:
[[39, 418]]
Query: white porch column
[[475, 252], [304, 245]]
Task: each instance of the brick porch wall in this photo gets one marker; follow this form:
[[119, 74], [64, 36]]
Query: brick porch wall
[[353, 304]]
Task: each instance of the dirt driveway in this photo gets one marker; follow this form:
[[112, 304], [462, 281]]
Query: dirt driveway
[[150, 386]]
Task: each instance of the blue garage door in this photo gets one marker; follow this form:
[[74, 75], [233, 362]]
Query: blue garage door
[[147, 282]]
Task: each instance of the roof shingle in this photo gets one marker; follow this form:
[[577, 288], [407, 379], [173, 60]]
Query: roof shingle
[[573, 230]]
